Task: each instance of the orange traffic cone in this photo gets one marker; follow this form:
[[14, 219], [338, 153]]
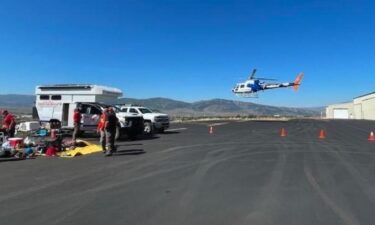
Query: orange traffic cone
[[283, 132], [211, 130], [322, 134], [372, 136]]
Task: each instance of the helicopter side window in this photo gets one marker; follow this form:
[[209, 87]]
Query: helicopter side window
[[249, 85], [242, 86]]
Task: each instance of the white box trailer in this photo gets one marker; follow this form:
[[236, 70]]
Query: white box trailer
[[59, 101]]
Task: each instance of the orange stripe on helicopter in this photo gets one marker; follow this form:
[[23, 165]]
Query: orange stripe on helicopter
[[298, 81]]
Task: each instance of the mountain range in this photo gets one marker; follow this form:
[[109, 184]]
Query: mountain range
[[20, 104], [214, 107], [220, 107]]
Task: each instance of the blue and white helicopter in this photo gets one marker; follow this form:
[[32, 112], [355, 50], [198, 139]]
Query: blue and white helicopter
[[250, 88]]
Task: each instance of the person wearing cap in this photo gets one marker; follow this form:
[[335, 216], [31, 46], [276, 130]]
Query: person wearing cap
[[110, 131], [9, 123], [77, 123], [101, 129]]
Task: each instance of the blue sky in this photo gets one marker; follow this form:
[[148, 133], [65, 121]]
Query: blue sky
[[190, 49]]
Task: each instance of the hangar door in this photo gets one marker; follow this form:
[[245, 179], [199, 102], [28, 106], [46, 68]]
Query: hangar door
[[341, 114]]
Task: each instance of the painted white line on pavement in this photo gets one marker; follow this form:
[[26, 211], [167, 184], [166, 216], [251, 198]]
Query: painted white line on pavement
[[177, 129], [217, 124]]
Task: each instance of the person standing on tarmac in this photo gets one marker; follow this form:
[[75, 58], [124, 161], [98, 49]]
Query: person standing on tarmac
[[110, 131], [77, 124], [101, 129], [9, 123]]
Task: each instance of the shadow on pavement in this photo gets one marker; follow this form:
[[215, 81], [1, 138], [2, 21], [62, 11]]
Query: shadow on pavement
[[170, 132], [143, 138], [9, 159], [125, 144], [146, 138], [129, 152]]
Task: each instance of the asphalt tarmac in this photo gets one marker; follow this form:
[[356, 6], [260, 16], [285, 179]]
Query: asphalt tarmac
[[244, 173]]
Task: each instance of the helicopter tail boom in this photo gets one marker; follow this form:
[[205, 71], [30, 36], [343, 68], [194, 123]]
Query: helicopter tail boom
[[297, 82]]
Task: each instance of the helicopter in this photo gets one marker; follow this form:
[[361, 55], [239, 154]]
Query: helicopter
[[250, 87]]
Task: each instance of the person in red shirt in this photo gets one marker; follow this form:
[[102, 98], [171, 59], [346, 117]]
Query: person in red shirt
[[9, 123], [77, 123], [101, 129]]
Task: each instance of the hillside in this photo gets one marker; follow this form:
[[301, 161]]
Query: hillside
[[220, 107], [21, 104], [214, 107]]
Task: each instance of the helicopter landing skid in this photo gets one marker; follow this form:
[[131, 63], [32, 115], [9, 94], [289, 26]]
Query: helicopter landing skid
[[247, 95]]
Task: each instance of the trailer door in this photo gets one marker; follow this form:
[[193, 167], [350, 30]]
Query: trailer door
[[65, 115]]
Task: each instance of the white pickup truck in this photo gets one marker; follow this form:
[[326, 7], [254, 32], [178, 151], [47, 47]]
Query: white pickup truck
[[129, 124], [152, 121]]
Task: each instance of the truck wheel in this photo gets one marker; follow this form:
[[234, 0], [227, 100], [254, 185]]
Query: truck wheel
[[148, 128], [80, 133], [118, 133], [132, 136]]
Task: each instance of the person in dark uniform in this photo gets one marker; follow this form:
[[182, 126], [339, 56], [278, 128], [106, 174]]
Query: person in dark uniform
[[110, 131]]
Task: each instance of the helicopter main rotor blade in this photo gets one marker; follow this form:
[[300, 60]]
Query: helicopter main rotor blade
[[253, 74], [266, 79]]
